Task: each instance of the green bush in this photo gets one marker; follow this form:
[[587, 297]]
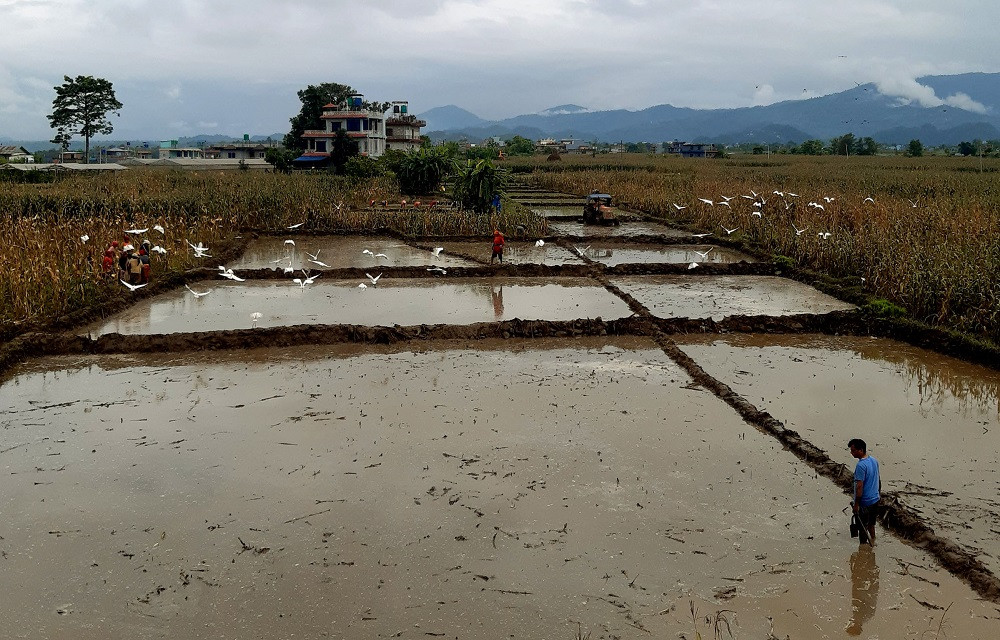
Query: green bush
[[881, 308]]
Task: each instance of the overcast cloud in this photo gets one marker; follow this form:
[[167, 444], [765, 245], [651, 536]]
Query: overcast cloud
[[183, 67]]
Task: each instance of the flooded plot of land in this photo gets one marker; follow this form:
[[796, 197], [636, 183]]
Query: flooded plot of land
[[625, 229], [515, 252], [623, 254], [717, 297], [548, 208], [449, 492], [932, 421], [394, 301], [338, 252]]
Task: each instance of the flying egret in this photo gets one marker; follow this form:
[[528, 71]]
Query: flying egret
[[84, 238], [314, 256], [291, 242], [368, 252], [581, 252], [374, 279], [828, 199], [798, 231], [913, 203], [692, 265], [228, 273], [726, 198], [679, 207], [136, 232], [131, 287], [381, 255], [707, 201], [729, 231], [704, 254], [539, 243], [443, 272], [320, 263], [824, 235], [200, 250], [725, 204], [295, 226], [197, 294], [362, 286], [757, 214], [254, 317], [159, 228], [160, 250], [868, 199], [437, 251], [701, 235]]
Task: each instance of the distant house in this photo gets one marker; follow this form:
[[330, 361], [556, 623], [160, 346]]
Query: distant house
[[16, 155], [364, 125], [238, 150], [402, 130], [691, 149], [169, 150]]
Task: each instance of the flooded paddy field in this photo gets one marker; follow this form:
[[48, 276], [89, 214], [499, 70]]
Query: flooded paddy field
[[930, 420], [338, 252], [615, 254], [515, 252], [625, 229], [716, 297], [392, 492], [394, 301]]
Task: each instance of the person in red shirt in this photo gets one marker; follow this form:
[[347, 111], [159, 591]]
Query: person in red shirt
[[498, 242]]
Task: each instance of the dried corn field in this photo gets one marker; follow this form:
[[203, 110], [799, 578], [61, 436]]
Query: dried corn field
[[920, 232], [48, 270]]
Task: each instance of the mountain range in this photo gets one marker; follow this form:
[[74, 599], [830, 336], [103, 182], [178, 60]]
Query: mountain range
[[959, 107]]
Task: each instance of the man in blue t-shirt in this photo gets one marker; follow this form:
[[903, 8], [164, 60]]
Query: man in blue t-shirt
[[867, 486]]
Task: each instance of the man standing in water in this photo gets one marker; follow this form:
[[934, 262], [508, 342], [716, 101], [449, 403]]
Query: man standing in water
[[867, 486]]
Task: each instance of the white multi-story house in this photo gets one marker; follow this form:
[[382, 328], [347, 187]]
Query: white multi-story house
[[371, 129]]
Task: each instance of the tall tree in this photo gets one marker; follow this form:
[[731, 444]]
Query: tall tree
[[915, 149], [342, 149], [81, 108]]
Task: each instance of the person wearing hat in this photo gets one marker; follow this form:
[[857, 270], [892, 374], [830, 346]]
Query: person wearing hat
[[498, 242]]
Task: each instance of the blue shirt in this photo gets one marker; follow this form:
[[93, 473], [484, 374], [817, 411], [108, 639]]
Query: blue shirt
[[866, 471]]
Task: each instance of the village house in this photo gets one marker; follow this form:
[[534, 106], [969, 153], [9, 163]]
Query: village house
[[16, 155], [238, 150], [402, 130], [170, 149], [368, 127]]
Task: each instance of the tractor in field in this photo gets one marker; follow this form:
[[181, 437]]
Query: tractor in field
[[597, 210]]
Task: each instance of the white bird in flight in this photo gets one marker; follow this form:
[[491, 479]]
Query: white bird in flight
[[295, 226], [131, 287], [136, 231], [692, 265], [707, 201], [84, 238], [580, 251], [291, 242], [798, 231], [868, 199], [159, 228], [539, 243], [200, 250], [368, 252], [757, 214], [725, 204], [362, 286], [160, 250], [824, 235], [701, 235], [437, 251], [729, 231], [314, 256], [228, 273], [704, 255], [254, 317], [679, 207], [308, 280], [381, 255], [374, 279], [443, 272], [197, 294]]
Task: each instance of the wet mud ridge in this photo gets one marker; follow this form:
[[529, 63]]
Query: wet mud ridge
[[904, 521]]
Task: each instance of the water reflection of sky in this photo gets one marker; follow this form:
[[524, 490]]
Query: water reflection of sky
[[400, 301]]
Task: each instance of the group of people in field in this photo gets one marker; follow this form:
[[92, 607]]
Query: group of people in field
[[123, 261]]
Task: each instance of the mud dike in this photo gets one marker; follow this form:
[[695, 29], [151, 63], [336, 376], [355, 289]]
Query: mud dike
[[513, 441]]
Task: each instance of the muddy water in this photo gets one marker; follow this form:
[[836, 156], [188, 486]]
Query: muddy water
[[449, 492], [932, 421], [338, 252], [514, 252], [612, 254], [557, 210], [625, 229], [393, 301], [717, 297]]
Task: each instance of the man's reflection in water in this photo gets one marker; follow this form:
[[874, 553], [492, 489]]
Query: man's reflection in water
[[864, 588], [497, 301]]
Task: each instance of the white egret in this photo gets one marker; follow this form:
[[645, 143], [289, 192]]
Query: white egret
[[132, 287], [197, 294], [254, 317], [374, 279]]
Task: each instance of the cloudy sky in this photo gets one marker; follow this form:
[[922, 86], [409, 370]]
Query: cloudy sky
[[184, 67]]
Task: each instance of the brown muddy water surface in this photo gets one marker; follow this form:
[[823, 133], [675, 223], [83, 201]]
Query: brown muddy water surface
[[614, 254], [930, 420], [716, 297], [462, 491], [514, 252], [625, 229], [394, 301], [338, 252]]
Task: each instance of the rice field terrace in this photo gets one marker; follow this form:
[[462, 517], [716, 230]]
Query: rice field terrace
[[55, 234], [346, 421], [921, 233]]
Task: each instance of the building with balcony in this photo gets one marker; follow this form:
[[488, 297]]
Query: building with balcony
[[402, 130]]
